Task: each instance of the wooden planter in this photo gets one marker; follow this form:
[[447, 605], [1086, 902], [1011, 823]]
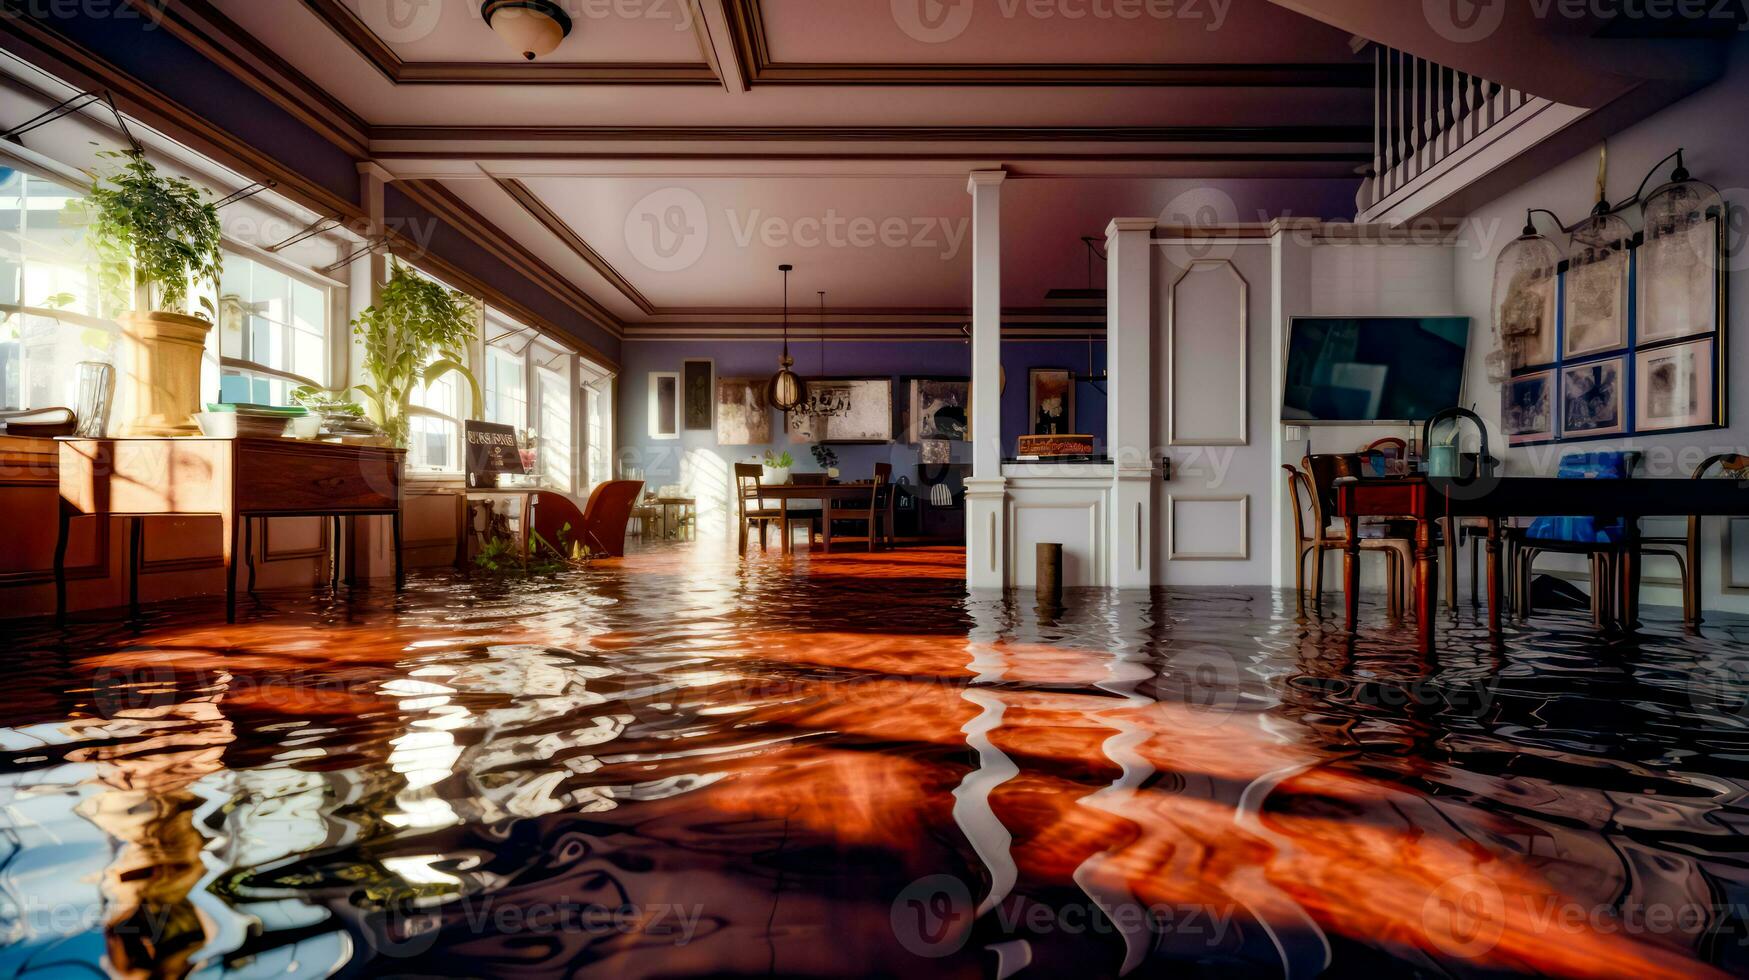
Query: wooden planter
[[160, 361]]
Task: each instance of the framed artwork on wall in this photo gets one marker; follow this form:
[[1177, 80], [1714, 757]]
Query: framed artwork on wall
[[1527, 408], [743, 416], [698, 382], [1594, 398], [664, 405], [1596, 320], [939, 409], [1676, 387], [1680, 282], [844, 410], [1528, 315], [1050, 401]]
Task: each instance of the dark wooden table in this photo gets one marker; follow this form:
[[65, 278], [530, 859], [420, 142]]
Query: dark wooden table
[[1427, 500], [235, 480], [825, 493]]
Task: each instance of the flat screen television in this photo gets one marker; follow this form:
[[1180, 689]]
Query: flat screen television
[[1360, 370]]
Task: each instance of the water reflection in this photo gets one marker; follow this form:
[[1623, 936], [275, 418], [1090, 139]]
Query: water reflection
[[830, 765]]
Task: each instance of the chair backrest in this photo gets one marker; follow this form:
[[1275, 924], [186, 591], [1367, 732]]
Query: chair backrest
[[747, 477], [881, 497], [1393, 450], [1602, 465], [1323, 470], [604, 519], [1295, 482]]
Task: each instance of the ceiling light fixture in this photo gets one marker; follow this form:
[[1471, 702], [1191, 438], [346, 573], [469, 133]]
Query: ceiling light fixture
[[532, 27], [785, 390]]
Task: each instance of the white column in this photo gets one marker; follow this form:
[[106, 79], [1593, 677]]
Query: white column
[[1290, 293], [371, 546], [1129, 328], [986, 493]]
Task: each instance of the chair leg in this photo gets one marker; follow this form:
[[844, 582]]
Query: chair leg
[[1300, 578], [1475, 572], [1318, 579]]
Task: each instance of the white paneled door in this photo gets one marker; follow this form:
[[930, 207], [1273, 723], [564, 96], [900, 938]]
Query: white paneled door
[[1211, 407]]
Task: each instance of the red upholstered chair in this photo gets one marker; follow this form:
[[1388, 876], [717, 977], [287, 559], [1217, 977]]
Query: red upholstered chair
[[600, 525]]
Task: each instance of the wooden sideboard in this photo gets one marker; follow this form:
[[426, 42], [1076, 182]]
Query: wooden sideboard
[[236, 480]]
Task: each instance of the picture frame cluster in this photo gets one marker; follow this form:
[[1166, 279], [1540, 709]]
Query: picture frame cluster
[[1632, 344]]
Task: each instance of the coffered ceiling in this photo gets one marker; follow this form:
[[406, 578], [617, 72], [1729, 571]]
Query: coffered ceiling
[[671, 153]]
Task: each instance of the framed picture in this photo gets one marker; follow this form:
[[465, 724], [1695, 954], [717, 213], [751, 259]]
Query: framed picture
[[743, 416], [858, 410], [664, 405], [1528, 315], [1679, 284], [1527, 408], [1674, 387], [1592, 398], [939, 409], [1050, 401], [698, 382], [1596, 320]]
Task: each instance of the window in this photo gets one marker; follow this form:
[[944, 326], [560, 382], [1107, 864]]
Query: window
[[48, 297], [273, 332], [554, 381], [598, 432], [434, 437]]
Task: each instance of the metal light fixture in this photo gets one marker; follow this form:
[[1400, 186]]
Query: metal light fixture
[[785, 390], [1524, 291], [1680, 204], [533, 28]]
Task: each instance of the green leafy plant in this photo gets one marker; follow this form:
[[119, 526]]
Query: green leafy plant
[[155, 237], [779, 461], [417, 332], [500, 556]]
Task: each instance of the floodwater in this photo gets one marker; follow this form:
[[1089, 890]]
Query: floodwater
[[683, 764]]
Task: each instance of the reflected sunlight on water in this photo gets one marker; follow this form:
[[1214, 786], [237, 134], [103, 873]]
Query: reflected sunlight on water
[[682, 764]]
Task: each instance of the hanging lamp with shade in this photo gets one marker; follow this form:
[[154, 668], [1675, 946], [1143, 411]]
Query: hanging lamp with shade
[[532, 28], [1524, 302], [785, 390]]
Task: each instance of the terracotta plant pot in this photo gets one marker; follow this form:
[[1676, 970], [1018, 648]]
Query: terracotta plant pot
[[160, 370]]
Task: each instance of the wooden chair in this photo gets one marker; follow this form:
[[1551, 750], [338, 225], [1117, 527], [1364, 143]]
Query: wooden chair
[[1537, 539], [808, 516], [1318, 538], [881, 508], [605, 517], [752, 506], [1685, 551], [1393, 450]]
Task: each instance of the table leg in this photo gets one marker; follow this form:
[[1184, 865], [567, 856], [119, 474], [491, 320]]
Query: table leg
[[136, 538], [1495, 576], [1351, 573], [826, 525], [1451, 556], [249, 552], [1629, 607], [1426, 583], [783, 526], [62, 527], [400, 568], [229, 529]]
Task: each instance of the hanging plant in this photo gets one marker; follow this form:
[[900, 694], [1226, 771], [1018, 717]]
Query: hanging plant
[[417, 332], [155, 237]]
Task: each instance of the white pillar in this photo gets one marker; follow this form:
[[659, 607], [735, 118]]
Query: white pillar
[[1129, 328], [370, 539], [986, 493]]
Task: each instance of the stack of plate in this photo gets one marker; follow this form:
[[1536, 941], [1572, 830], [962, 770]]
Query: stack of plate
[[226, 421]]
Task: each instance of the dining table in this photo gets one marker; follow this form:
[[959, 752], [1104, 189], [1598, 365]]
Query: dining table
[[825, 493], [1429, 500]]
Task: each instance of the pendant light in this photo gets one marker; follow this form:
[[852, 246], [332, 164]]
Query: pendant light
[[532, 28], [785, 390], [1679, 205], [1524, 302]]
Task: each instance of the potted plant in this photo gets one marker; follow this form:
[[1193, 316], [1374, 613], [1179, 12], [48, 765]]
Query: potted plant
[[155, 239], [417, 332], [777, 466], [827, 459]]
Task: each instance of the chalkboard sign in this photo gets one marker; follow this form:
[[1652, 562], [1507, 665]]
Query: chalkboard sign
[[492, 450]]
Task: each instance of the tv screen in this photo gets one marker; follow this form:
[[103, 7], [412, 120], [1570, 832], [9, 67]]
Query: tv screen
[[1374, 369]]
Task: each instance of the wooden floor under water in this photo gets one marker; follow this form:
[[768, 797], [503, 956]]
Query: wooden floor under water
[[689, 764]]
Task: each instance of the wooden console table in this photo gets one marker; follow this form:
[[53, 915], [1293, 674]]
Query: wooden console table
[[235, 480]]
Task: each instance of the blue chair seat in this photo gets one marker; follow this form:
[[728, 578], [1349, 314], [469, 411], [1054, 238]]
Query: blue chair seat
[[1610, 465]]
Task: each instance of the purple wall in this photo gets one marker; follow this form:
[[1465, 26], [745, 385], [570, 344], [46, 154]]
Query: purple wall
[[660, 459]]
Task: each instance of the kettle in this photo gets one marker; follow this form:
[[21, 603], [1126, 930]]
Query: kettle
[[1446, 462]]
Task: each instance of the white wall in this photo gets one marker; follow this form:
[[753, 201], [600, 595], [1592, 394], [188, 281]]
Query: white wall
[[1709, 125]]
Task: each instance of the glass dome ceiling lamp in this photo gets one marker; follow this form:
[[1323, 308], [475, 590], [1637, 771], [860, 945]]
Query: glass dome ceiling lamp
[[1524, 278]]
